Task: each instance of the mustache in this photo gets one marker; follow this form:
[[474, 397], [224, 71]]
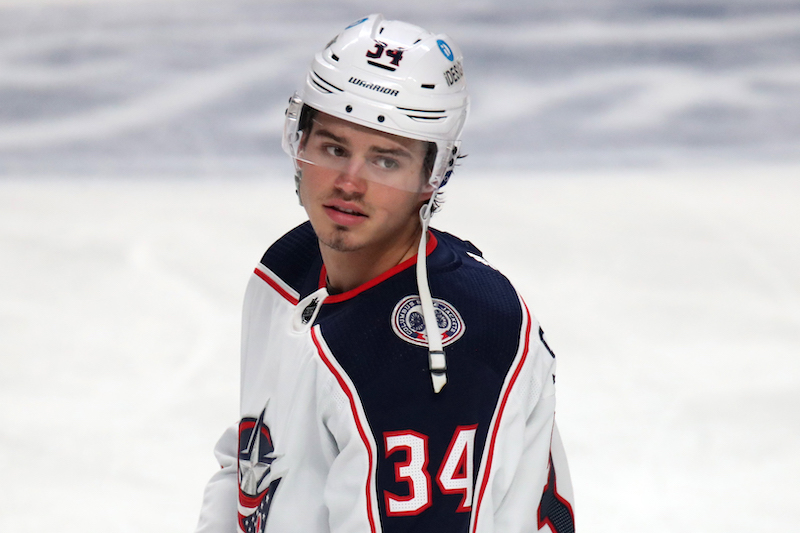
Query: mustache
[[354, 197]]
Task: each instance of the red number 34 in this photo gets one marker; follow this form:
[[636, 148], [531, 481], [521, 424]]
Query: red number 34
[[455, 474], [394, 54]]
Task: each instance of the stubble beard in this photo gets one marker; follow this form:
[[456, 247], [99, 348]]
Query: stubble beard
[[338, 240]]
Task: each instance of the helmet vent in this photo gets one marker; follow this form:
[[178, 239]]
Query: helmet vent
[[428, 85], [424, 115], [386, 67], [334, 57], [324, 85], [320, 87], [422, 110], [425, 119]]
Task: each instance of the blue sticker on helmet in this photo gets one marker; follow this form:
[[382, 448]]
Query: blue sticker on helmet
[[356, 23], [448, 53]]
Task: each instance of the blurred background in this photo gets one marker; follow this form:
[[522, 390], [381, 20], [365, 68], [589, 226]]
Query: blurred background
[[112, 87], [634, 166]]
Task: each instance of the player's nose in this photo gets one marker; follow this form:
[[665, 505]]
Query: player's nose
[[350, 178]]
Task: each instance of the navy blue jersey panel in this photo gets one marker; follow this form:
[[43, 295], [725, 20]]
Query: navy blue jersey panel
[[392, 377], [487, 301], [295, 259]]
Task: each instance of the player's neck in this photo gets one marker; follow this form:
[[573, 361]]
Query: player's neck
[[349, 270]]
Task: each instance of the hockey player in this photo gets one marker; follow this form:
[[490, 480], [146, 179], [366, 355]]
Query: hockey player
[[391, 380]]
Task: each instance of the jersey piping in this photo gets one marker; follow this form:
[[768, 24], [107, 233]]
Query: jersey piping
[[349, 390], [487, 470], [276, 283]]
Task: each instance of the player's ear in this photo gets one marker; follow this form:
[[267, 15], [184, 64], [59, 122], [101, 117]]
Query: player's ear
[[424, 197]]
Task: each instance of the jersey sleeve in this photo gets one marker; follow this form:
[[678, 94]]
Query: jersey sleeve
[[525, 484], [219, 511]]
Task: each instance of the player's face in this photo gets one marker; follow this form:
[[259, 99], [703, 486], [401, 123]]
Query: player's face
[[364, 188]]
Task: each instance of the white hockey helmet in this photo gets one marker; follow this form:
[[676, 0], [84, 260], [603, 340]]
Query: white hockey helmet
[[393, 77]]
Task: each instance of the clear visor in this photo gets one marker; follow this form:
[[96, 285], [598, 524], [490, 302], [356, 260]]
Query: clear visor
[[322, 143]]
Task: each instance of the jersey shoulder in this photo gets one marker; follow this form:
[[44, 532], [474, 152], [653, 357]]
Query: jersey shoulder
[[295, 259], [459, 269], [493, 314]]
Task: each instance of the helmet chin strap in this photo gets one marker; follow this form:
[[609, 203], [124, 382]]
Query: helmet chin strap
[[436, 358]]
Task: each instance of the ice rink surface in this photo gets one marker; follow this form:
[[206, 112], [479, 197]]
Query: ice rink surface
[[633, 168]]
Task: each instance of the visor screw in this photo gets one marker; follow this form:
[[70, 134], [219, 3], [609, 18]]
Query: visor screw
[[381, 118], [349, 108]]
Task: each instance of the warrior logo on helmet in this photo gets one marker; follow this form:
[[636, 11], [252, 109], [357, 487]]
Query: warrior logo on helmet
[[409, 325], [257, 479]]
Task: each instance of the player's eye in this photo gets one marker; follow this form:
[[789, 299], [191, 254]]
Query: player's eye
[[387, 163], [335, 150]]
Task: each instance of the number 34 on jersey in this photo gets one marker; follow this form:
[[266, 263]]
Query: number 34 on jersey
[[454, 474]]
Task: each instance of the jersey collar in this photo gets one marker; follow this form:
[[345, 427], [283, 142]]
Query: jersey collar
[[429, 248]]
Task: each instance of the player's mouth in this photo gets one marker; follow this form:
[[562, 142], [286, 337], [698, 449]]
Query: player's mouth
[[344, 214]]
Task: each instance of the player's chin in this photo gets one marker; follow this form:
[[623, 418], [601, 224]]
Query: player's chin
[[341, 239]]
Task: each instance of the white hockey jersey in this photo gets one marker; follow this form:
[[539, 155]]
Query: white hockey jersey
[[340, 429]]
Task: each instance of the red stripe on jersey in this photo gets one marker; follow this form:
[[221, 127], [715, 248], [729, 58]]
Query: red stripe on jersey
[[500, 410], [429, 247], [272, 283], [359, 426]]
